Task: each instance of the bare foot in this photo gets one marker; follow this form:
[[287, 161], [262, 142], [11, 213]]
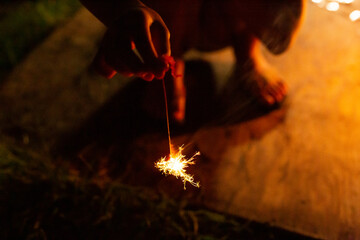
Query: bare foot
[[261, 84], [269, 91], [254, 75], [268, 83]]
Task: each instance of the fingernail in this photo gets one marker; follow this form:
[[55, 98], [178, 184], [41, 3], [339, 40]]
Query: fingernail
[[270, 99], [107, 73], [111, 75], [127, 74], [148, 76], [161, 75]]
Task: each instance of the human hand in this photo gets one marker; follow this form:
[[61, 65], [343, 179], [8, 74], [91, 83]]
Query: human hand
[[137, 43]]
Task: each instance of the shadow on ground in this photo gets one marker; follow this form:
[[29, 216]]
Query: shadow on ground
[[130, 128]]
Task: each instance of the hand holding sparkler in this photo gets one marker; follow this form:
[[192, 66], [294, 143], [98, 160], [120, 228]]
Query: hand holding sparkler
[[131, 26], [137, 42]]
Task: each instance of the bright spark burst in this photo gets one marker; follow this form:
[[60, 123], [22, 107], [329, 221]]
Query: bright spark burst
[[176, 165]]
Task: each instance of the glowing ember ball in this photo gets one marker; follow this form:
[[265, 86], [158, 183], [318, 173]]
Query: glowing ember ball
[[354, 15], [175, 165], [332, 6]]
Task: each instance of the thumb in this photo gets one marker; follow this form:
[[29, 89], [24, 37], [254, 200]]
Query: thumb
[[160, 37]]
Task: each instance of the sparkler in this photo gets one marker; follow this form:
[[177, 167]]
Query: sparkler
[[175, 165], [176, 162]]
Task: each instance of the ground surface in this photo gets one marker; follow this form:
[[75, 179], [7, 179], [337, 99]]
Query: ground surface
[[44, 195], [304, 173], [296, 167]]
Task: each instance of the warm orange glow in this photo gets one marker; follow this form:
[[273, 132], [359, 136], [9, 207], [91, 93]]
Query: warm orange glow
[[354, 15], [332, 6], [345, 1], [175, 165]]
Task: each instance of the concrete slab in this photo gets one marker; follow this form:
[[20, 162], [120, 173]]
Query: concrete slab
[[303, 175], [52, 90], [297, 167]]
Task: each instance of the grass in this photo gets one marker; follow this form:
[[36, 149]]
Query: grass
[[43, 199], [26, 24]]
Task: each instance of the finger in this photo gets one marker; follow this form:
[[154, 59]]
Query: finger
[[126, 63], [100, 66], [143, 44], [152, 62], [119, 55], [160, 36], [146, 76]]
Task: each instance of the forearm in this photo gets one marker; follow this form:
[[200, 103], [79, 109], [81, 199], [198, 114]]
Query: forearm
[[107, 11]]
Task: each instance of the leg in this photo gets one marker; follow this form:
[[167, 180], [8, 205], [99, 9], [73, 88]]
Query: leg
[[177, 16], [179, 93], [275, 22], [259, 78]]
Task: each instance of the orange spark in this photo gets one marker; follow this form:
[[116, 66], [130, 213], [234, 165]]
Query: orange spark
[[175, 165]]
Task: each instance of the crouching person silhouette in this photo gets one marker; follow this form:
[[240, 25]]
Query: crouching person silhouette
[[138, 42]]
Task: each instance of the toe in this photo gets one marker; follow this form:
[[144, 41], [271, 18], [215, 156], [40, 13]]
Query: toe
[[267, 97], [278, 91], [273, 93]]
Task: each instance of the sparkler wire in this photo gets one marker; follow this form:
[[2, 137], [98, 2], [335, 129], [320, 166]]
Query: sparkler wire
[[176, 163], [167, 114]]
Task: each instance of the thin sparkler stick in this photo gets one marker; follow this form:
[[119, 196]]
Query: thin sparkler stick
[[167, 115]]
